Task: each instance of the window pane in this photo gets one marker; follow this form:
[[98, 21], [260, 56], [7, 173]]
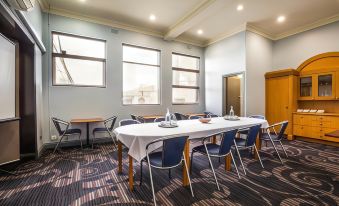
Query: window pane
[[140, 84], [184, 96], [185, 62], [185, 78], [78, 72], [140, 55], [78, 46]]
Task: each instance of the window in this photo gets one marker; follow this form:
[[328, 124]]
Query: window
[[141, 72], [78, 61], [185, 86]]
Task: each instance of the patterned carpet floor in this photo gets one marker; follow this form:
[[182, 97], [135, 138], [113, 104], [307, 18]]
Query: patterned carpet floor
[[310, 176]]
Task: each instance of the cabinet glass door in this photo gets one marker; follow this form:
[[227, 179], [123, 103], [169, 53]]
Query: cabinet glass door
[[325, 85], [306, 86]]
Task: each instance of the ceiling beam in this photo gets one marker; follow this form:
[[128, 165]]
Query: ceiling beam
[[198, 14]]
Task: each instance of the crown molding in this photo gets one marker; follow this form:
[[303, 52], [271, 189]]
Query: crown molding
[[43, 5], [225, 35], [256, 30], [308, 27]]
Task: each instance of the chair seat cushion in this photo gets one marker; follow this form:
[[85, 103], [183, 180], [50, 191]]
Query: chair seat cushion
[[101, 129], [274, 137], [240, 142], [213, 149], [155, 159], [72, 131], [243, 131]]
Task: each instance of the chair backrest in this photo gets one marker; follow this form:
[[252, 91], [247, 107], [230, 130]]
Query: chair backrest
[[159, 119], [210, 115], [172, 150], [257, 116], [227, 140], [282, 129], [134, 116], [252, 135], [140, 119], [112, 120], [179, 116], [128, 122], [57, 123], [194, 117]]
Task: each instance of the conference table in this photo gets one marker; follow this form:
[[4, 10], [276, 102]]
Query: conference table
[[136, 136]]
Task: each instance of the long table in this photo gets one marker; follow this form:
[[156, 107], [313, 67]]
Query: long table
[[135, 137]]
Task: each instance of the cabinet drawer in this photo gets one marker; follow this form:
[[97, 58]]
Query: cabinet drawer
[[306, 131], [304, 119]]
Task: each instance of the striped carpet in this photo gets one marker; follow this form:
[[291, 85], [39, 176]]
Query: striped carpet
[[310, 176]]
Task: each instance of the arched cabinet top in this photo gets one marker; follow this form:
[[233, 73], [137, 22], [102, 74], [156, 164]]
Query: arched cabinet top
[[321, 62]]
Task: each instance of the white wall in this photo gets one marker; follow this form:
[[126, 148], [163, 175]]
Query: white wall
[[292, 51], [80, 102], [258, 61], [222, 58]]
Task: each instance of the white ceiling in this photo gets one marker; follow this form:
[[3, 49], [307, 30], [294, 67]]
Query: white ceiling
[[180, 19]]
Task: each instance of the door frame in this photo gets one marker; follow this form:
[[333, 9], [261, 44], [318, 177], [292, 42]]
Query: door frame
[[243, 99]]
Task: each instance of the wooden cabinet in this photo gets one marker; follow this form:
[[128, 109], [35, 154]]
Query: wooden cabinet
[[337, 85], [315, 125], [319, 86], [281, 99]]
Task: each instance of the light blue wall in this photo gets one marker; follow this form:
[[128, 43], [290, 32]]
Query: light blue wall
[[259, 55], [81, 102], [292, 51], [222, 58]]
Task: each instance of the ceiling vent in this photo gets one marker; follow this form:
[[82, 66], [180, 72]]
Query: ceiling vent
[[22, 5]]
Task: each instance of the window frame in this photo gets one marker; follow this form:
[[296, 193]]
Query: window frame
[[78, 57], [142, 64], [197, 71]]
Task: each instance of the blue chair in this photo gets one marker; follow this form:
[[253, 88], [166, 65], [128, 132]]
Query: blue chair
[[245, 131], [107, 129], [211, 115], [179, 116], [125, 122], [248, 143], [58, 123], [276, 137], [215, 150], [159, 119], [194, 117], [171, 156]]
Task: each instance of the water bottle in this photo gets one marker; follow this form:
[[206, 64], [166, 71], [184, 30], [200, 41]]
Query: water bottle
[[168, 117], [231, 112]]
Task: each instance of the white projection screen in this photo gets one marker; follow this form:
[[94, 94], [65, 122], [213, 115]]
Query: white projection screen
[[7, 79]]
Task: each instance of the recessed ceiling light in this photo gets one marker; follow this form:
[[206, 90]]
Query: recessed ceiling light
[[281, 19], [200, 31], [240, 7], [82, 0], [152, 17]]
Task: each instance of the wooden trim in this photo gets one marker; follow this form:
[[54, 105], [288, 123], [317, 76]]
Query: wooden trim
[[280, 73], [141, 47], [186, 55], [9, 119], [71, 56], [76, 36], [317, 57], [185, 70], [185, 87], [143, 64]]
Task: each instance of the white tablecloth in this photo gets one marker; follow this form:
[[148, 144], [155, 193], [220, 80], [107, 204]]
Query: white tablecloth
[[137, 136]]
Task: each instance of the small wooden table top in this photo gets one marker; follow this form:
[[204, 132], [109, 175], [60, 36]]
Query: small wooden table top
[[333, 134], [87, 120]]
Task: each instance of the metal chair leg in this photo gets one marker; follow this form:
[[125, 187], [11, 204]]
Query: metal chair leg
[[215, 177], [242, 164], [93, 140], [152, 186], [80, 141], [188, 175], [114, 142], [141, 172], [236, 168], [282, 146], [275, 148], [256, 150], [191, 162], [56, 147], [169, 174]]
